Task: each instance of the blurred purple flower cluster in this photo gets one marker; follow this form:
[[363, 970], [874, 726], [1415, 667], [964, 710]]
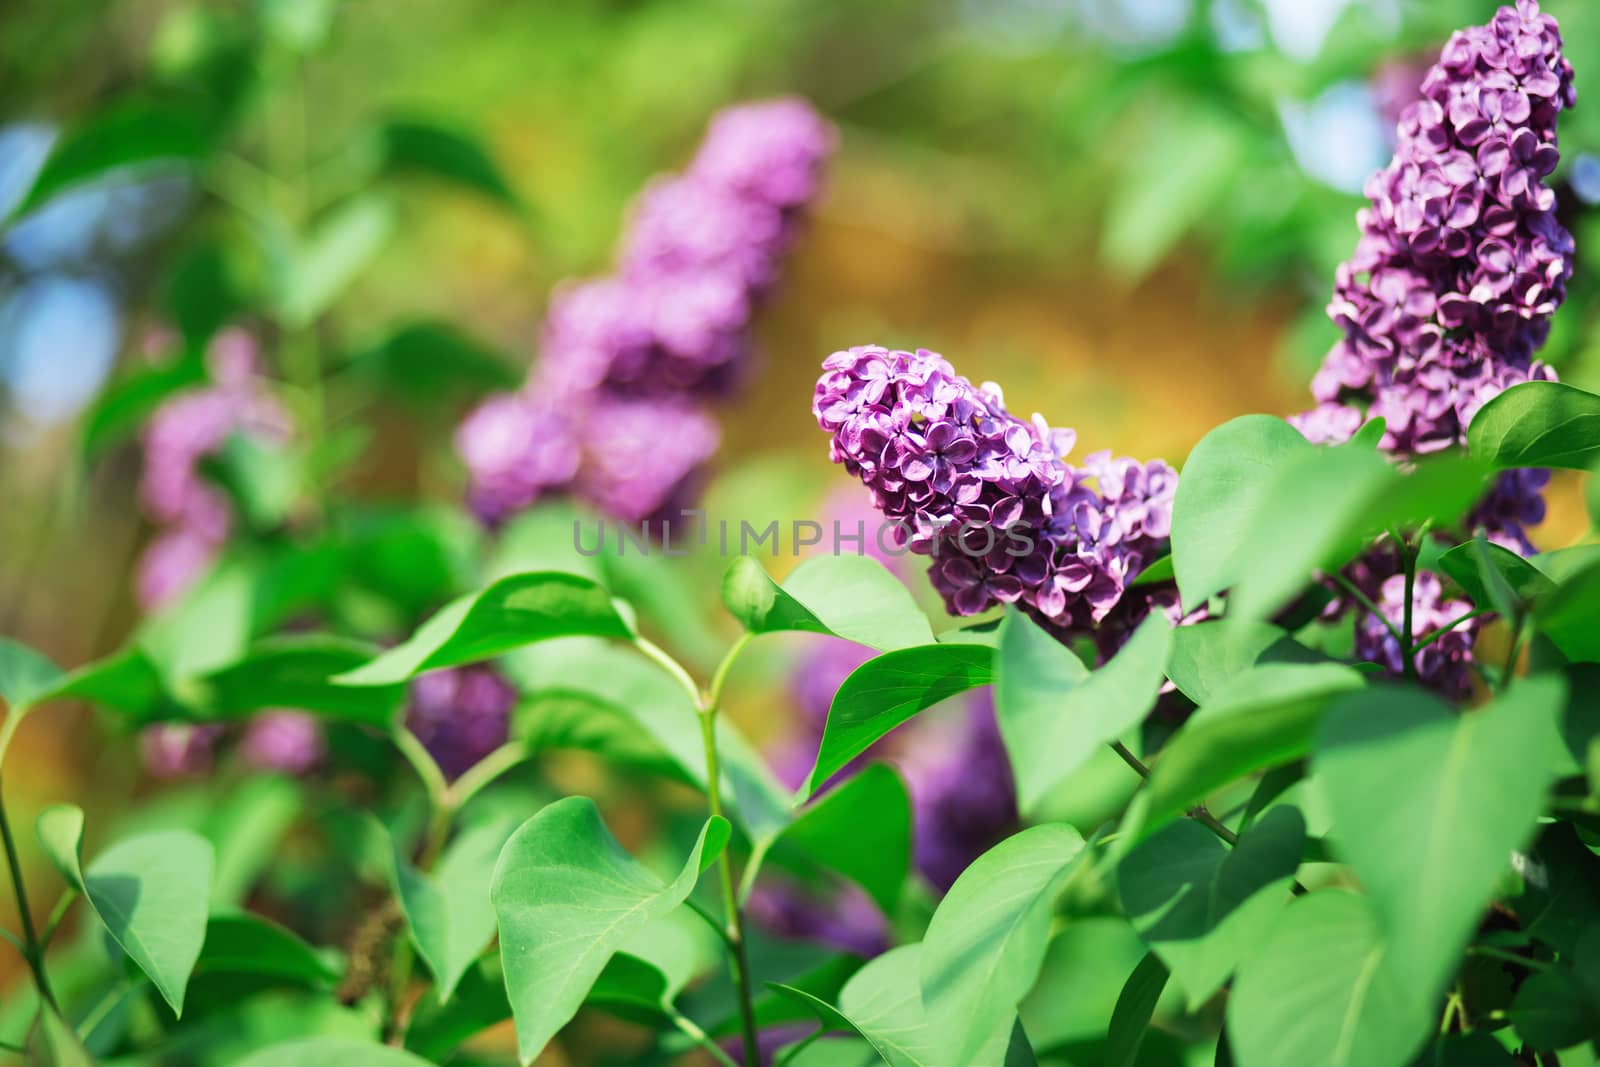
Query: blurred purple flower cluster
[[1460, 266], [461, 714], [989, 497], [193, 513], [1461, 261], [614, 411]]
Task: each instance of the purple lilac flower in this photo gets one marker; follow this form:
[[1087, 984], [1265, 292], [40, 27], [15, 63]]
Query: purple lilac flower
[[670, 327], [284, 740], [517, 447], [987, 496], [962, 796], [1514, 503], [821, 670], [461, 714], [1445, 665], [179, 750], [170, 564], [840, 916]]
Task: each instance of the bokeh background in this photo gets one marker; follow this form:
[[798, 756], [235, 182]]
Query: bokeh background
[[1127, 212]]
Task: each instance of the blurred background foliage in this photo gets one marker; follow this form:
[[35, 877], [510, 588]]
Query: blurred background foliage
[[1128, 212]]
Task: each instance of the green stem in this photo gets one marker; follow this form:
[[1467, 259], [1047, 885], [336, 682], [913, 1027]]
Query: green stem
[[692, 1030], [1475, 613], [1199, 813], [32, 951], [1510, 666], [739, 958], [1489, 952], [441, 813], [1366, 603], [57, 913], [1408, 657], [486, 770]]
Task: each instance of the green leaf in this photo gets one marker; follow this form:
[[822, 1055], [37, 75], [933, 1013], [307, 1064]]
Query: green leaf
[[265, 479], [342, 246], [1570, 615], [645, 977], [1321, 508], [1321, 992], [1556, 1009], [1052, 718], [1538, 424], [330, 1052], [853, 597], [134, 133], [1427, 806], [296, 672], [1207, 656], [1085, 968], [53, 1043], [299, 25], [24, 674], [1498, 568], [886, 691], [1203, 906], [426, 362], [411, 145], [513, 612], [881, 1002], [987, 939], [125, 405], [568, 897], [1220, 497], [1131, 1017], [862, 830], [248, 944], [150, 892], [1562, 902], [1263, 717], [447, 910], [479, 1002]]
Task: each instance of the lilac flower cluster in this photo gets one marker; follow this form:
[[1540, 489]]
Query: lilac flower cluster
[[987, 496], [1445, 665], [181, 434], [1461, 260], [614, 412], [1460, 266], [461, 714]]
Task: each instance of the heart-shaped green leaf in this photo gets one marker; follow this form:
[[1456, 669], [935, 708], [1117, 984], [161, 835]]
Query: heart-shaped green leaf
[[1321, 992], [886, 691], [1052, 717], [862, 830], [510, 613], [987, 939], [150, 892], [1428, 805], [1538, 424], [853, 597], [567, 897], [1203, 906]]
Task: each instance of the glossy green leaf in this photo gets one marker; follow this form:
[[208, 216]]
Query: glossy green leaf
[[1130, 1019], [1318, 510], [1052, 718], [987, 939], [297, 672], [135, 133], [853, 597], [1263, 717], [1085, 969], [1219, 497], [1203, 906], [646, 975], [510, 613], [330, 1052], [426, 362], [567, 897], [342, 245], [886, 691], [150, 892], [862, 830], [53, 1043], [1538, 424], [1321, 992], [1427, 806], [882, 1003], [1570, 615], [1207, 656], [1498, 568], [243, 943], [412, 145], [24, 674], [1560, 1007], [1560, 898], [447, 909]]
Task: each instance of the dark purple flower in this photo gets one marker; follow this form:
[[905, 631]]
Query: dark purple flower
[[461, 714], [840, 916], [1514, 503], [284, 740], [1445, 665]]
